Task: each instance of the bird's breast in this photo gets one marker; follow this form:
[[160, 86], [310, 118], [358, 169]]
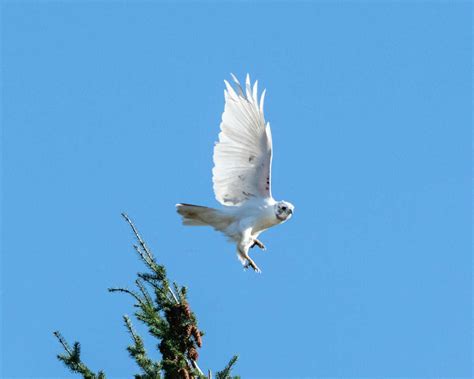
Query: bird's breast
[[264, 220]]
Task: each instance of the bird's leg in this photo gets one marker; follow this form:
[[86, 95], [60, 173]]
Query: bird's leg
[[256, 242], [246, 260], [243, 249], [252, 264]]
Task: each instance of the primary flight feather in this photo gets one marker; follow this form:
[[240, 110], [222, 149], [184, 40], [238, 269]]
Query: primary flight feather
[[241, 174]]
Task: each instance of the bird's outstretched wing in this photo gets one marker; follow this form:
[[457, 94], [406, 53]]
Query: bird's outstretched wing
[[243, 154]]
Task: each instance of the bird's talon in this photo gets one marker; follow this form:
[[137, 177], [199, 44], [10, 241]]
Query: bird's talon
[[256, 242]]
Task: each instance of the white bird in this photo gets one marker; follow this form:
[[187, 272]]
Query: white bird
[[241, 175]]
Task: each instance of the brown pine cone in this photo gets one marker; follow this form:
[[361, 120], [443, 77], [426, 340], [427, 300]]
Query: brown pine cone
[[193, 354], [197, 335], [186, 309]]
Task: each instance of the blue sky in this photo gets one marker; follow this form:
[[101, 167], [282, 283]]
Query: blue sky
[[115, 106]]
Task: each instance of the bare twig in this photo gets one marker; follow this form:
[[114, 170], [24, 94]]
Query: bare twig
[[138, 236], [195, 365], [172, 294]]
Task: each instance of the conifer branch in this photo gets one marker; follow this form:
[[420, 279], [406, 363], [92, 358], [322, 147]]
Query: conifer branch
[[145, 253], [72, 359], [139, 354], [131, 293], [225, 374], [143, 291]]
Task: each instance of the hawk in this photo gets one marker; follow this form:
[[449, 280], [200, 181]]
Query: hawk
[[241, 175]]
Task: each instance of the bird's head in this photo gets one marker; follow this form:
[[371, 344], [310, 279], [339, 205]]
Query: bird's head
[[283, 210]]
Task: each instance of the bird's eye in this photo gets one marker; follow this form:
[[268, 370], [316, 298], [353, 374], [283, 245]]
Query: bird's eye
[[283, 208]]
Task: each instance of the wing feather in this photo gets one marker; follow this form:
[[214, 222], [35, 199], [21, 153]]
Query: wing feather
[[243, 154]]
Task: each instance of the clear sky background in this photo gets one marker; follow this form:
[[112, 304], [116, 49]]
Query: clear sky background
[[115, 106]]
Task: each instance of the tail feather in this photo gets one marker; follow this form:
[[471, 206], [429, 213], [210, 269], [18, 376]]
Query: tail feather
[[196, 215]]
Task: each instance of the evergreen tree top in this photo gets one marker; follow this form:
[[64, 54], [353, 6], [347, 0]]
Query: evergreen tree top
[[165, 310]]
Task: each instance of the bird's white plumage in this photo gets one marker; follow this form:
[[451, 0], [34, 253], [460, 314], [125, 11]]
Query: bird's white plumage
[[243, 154], [241, 175]]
